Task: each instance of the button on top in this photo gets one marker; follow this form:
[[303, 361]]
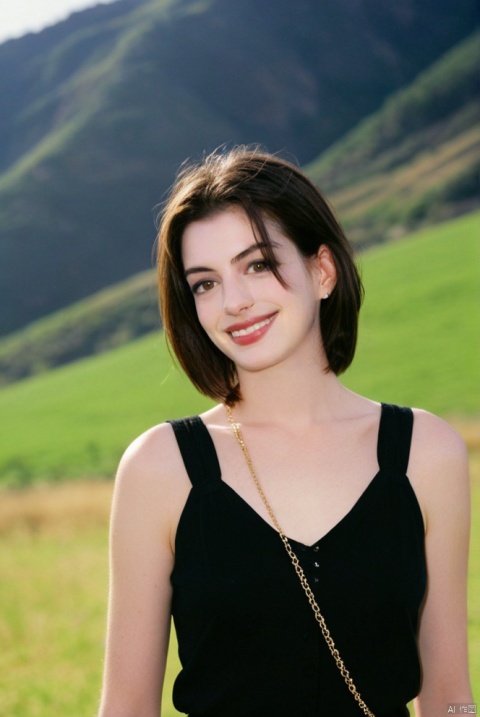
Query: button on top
[[317, 565], [316, 548]]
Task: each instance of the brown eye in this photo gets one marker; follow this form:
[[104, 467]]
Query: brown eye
[[201, 287], [257, 267]]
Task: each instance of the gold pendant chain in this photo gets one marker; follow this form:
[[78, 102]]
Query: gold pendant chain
[[299, 570]]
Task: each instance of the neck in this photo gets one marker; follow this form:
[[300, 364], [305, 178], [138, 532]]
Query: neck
[[300, 395]]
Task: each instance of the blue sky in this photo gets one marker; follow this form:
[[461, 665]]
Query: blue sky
[[17, 17]]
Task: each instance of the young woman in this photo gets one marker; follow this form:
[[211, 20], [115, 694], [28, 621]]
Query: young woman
[[305, 572]]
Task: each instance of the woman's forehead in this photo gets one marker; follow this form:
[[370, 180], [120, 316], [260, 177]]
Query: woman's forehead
[[225, 234]]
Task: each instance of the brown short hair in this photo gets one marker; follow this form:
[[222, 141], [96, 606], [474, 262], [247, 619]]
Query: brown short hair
[[263, 186]]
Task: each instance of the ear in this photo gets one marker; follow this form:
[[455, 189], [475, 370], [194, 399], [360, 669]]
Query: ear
[[325, 271]]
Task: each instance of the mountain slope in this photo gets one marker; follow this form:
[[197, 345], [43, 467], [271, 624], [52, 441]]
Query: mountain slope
[[417, 159], [99, 111], [414, 161], [108, 318]]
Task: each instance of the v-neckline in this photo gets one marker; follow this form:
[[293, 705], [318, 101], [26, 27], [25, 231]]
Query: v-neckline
[[338, 526]]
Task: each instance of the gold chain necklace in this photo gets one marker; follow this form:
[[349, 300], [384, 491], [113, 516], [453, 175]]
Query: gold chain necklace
[[301, 575]]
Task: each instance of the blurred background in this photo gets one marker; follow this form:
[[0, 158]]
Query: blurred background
[[99, 105]]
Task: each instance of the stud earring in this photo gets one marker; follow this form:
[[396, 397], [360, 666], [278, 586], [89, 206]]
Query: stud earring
[[326, 295]]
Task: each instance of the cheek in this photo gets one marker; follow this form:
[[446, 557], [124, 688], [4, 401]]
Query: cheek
[[205, 313]]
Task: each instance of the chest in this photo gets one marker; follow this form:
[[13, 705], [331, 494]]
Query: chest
[[311, 481]]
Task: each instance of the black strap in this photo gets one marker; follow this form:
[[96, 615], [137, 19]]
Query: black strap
[[197, 449], [201, 460], [394, 438]]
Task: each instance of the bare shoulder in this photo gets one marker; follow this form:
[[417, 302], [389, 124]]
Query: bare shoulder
[[151, 480], [153, 454], [436, 442], [438, 467]]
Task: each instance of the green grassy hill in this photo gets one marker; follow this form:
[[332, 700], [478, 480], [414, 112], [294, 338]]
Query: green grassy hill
[[419, 330], [416, 160], [419, 344], [107, 319]]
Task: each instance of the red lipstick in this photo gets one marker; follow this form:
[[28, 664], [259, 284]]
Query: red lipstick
[[248, 332]]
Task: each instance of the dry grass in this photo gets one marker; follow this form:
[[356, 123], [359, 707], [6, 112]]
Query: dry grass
[[61, 508], [427, 171], [469, 429]]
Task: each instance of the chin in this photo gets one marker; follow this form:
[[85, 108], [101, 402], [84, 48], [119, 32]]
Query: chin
[[253, 364]]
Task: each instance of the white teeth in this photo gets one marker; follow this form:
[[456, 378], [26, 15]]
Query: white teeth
[[251, 329]]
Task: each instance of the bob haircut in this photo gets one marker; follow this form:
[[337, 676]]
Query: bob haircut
[[264, 187]]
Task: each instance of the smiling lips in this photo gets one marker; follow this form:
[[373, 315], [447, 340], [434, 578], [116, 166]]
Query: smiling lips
[[250, 331]]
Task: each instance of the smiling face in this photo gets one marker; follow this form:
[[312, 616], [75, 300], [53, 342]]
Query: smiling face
[[246, 312], [241, 183]]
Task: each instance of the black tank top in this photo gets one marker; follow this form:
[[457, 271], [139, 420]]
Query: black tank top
[[248, 641]]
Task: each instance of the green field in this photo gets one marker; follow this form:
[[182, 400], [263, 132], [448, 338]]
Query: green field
[[420, 325], [76, 420], [419, 345]]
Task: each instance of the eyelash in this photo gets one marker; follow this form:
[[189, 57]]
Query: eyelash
[[264, 262], [266, 266], [199, 284]]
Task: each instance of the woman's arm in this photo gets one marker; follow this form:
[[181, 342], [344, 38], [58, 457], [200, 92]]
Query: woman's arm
[[141, 560], [439, 473]]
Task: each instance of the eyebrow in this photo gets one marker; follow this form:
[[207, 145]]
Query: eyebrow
[[243, 254]]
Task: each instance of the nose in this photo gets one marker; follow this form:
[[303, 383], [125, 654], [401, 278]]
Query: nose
[[236, 296]]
